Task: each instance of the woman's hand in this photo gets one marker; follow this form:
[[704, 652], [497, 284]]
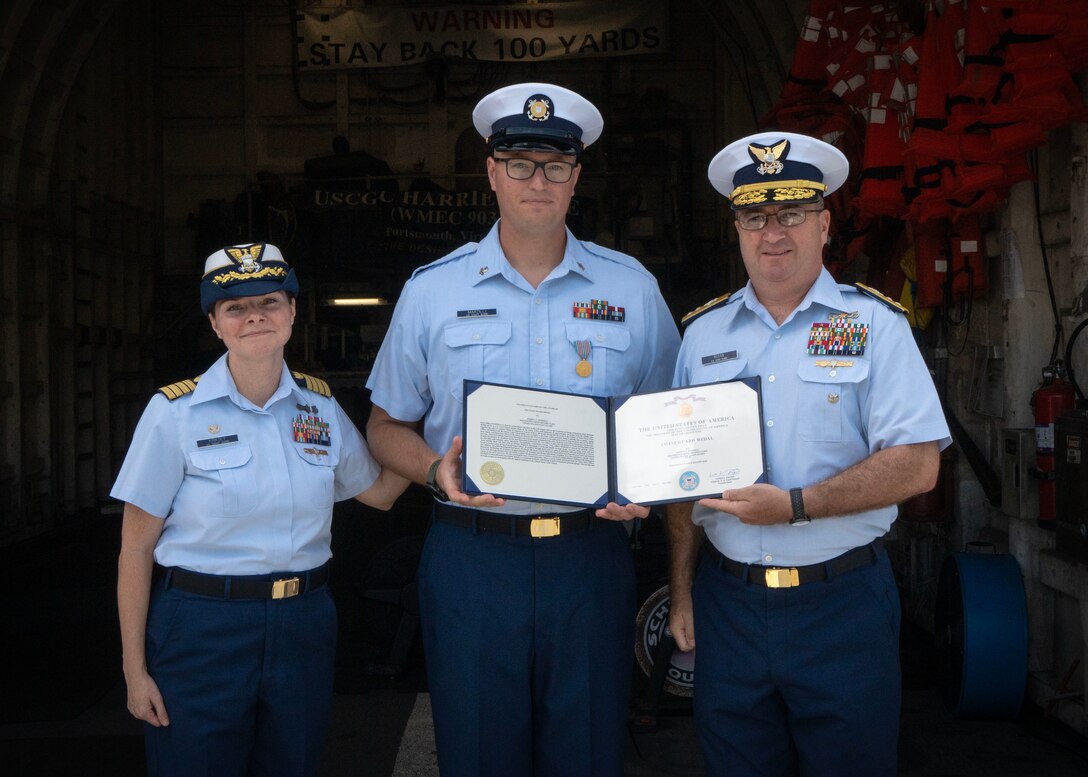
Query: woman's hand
[[144, 700]]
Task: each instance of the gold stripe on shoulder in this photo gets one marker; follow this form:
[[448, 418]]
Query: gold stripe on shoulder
[[689, 317], [315, 385], [871, 292], [179, 389]]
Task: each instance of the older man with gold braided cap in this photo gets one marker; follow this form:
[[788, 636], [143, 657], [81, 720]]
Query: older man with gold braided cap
[[793, 600]]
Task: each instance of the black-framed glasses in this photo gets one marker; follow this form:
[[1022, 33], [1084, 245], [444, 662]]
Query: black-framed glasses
[[521, 169], [787, 217]]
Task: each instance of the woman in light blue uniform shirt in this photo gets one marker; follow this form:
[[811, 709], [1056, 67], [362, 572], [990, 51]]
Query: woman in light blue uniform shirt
[[227, 625]]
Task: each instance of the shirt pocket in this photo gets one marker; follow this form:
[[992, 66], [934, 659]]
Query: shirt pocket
[[226, 471], [608, 346], [475, 351], [827, 399], [315, 486]]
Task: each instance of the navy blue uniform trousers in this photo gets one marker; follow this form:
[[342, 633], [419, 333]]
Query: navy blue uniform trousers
[[529, 650], [798, 681], [247, 683]]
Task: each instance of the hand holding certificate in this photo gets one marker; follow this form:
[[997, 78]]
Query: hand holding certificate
[[665, 446]]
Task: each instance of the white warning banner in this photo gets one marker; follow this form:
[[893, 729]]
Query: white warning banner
[[330, 37]]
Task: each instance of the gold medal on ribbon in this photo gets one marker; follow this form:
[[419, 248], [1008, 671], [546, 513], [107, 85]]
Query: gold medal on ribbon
[[583, 367]]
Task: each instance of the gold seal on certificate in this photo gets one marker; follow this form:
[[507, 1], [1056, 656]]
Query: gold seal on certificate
[[491, 473], [583, 368], [684, 409]]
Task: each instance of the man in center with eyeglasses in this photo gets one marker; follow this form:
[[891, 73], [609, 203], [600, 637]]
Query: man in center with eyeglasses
[[793, 602], [528, 638]]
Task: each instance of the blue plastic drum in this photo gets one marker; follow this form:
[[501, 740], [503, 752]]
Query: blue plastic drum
[[982, 627]]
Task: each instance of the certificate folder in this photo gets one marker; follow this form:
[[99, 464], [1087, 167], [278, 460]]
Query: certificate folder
[[664, 446]]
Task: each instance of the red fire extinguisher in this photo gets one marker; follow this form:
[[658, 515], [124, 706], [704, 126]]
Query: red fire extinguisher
[[1048, 401]]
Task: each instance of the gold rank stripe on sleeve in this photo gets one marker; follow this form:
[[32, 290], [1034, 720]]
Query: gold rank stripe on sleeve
[[871, 292], [179, 389], [689, 317], [315, 385]]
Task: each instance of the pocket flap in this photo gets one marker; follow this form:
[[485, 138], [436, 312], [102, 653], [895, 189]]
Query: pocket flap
[[612, 336], [227, 457], [477, 333], [316, 454], [812, 372]]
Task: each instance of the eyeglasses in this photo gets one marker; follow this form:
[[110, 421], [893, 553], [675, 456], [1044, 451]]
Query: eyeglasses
[[523, 169], [787, 217]]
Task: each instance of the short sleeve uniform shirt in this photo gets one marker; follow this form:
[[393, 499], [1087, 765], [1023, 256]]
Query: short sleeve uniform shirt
[[471, 315], [244, 489], [840, 379]]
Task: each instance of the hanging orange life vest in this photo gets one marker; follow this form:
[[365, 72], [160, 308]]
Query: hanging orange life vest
[[949, 261]]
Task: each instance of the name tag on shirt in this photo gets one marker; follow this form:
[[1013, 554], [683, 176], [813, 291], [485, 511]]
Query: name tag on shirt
[[718, 358], [479, 313], [212, 441]]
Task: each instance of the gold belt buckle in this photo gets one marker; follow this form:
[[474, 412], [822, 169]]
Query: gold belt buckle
[[544, 527], [285, 588], [778, 577]]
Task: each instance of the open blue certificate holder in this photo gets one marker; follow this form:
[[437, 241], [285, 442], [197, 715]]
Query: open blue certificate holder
[[666, 446]]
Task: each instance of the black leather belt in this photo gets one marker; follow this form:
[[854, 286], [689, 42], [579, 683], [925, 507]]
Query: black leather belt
[[789, 577], [514, 525], [280, 585]]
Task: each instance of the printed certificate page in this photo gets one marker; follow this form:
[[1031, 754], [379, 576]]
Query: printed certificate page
[[688, 443], [535, 445]]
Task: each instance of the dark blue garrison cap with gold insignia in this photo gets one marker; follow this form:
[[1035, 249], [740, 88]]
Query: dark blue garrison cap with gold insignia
[[537, 117], [246, 270], [777, 168]]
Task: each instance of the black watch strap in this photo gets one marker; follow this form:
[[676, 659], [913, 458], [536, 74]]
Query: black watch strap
[[432, 483], [797, 502]]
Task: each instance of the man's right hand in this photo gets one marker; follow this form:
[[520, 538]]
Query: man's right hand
[[449, 478], [682, 622]]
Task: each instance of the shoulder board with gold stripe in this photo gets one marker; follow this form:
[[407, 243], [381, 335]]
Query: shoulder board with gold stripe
[[704, 308], [871, 292], [315, 385], [179, 389]]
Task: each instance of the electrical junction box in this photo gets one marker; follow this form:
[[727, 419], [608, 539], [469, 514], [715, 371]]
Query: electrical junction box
[[1019, 490], [1071, 484]]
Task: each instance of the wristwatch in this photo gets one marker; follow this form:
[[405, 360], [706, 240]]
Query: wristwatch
[[432, 484], [798, 504]]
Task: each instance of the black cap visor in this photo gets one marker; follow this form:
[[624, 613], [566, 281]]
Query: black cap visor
[[535, 139]]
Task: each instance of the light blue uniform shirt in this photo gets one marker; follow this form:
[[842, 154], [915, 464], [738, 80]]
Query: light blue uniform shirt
[[244, 490], [472, 315], [817, 419]]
